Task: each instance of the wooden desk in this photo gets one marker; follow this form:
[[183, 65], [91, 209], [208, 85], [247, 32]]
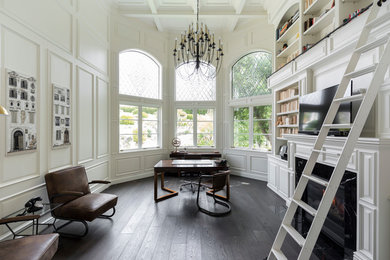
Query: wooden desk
[[194, 155], [166, 165]]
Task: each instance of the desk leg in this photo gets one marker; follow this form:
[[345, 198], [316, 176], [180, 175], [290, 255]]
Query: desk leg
[[171, 192]]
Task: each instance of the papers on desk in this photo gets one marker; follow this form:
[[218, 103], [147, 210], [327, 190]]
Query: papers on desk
[[193, 162]]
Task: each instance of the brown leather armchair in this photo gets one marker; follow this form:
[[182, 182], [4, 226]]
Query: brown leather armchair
[[70, 186], [39, 247]]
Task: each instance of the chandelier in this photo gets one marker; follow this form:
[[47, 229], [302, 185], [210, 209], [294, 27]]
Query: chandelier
[[198, 49]]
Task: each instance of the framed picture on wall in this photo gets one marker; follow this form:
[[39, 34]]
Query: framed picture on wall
[[21, 103], [61, 116]]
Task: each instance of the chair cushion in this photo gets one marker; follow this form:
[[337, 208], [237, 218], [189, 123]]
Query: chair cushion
[[42, 247], [87, 207]]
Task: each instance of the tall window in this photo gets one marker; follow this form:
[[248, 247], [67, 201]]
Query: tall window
[[249, 75], [195, 126], [252, 119], [139, 119]]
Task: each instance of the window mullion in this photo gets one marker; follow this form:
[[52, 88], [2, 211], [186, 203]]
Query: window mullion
[[251, 127], [195, 129], [140, 127]]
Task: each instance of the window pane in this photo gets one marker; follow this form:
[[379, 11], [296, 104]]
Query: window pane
[[127, 142], [185, 128], [262, 112], [131, 112], [149, 127], [241, 140], [194, 87], [250, 75], [261, 127], [139, 75], [205, 114], [205, 127], [241, 113], [241, 127], [186, 139], [149, 140], [205, 140], [185, 115], [262, 142], [149, 113]]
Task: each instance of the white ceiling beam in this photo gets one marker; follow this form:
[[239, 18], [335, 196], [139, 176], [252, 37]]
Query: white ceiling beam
[[239, 6], [153, 9], [186, 14]]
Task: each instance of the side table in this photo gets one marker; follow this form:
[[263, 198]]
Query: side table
[[22, 215]]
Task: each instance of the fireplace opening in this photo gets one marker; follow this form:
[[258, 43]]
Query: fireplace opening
[[337, 239]]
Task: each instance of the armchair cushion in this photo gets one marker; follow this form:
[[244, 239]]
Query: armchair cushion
[[87, 207], [42, 247]]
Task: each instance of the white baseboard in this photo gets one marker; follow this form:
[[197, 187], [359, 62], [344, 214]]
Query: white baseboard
[[132, 177], [250, 175]]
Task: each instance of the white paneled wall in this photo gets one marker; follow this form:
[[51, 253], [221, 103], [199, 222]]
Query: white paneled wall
[[66, 43]]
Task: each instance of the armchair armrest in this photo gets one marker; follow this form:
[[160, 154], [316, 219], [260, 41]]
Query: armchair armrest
[[99, 182], [67, 193], [18, 218]]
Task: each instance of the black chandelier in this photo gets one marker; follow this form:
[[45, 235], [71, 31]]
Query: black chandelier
[[198, 48]]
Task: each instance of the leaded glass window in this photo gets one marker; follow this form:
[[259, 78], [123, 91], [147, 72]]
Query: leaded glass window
[[194, 87], [249, 75], [139, 75]]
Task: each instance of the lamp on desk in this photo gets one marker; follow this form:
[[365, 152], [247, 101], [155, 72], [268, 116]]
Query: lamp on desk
[[3, 111]]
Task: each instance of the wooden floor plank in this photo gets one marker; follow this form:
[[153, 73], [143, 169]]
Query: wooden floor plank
[[175, 229]]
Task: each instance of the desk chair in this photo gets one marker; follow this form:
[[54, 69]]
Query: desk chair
[[188, 182], [218, 182]]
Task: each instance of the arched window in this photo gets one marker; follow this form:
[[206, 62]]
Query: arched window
[[139, 123], [195, 87], [249, 75], [252, 121], [139, 75]]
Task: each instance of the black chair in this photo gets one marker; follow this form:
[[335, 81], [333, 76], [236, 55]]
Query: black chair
[[218, 182]]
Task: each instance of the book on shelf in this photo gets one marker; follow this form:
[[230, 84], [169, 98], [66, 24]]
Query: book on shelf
[[287, 120], [289, 106], [288, 131], [288, 93]]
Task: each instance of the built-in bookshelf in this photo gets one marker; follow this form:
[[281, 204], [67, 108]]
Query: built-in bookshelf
[[308, 22], [287, 110]]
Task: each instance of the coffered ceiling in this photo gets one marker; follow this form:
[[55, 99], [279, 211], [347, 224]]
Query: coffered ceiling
[[176, 15]]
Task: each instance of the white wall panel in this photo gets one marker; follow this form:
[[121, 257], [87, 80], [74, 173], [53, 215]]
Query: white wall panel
[[132, 35], [155, 43], [258, 164], [151, 160], [91, 49], [45, 16], [13, 169], [95, 16], [236, 161], [128, 165], [60, 73], [85, 115], [102, 107], [20, 53], [98, 172]]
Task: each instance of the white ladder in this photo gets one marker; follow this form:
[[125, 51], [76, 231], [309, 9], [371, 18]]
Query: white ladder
[[368, 98]]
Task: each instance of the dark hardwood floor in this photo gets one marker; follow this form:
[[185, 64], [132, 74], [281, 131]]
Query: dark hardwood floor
[[175, 229]]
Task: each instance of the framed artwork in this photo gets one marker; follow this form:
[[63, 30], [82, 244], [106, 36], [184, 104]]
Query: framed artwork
[[22, 105], [61, 116]]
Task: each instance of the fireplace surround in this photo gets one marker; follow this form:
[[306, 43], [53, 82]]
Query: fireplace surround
[[338, 236]]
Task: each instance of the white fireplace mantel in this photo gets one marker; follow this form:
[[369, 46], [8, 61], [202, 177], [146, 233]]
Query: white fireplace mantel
[[371, 161]]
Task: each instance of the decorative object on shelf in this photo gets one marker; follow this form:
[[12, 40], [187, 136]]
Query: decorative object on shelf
[[198, 48], [176, 143], [379, 3], [3, 111], [283, 152], [280, 31], [61, 116], [22, 134], [285, 46]]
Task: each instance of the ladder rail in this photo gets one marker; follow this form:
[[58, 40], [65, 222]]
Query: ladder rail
[[348, 149], [357, 126]]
